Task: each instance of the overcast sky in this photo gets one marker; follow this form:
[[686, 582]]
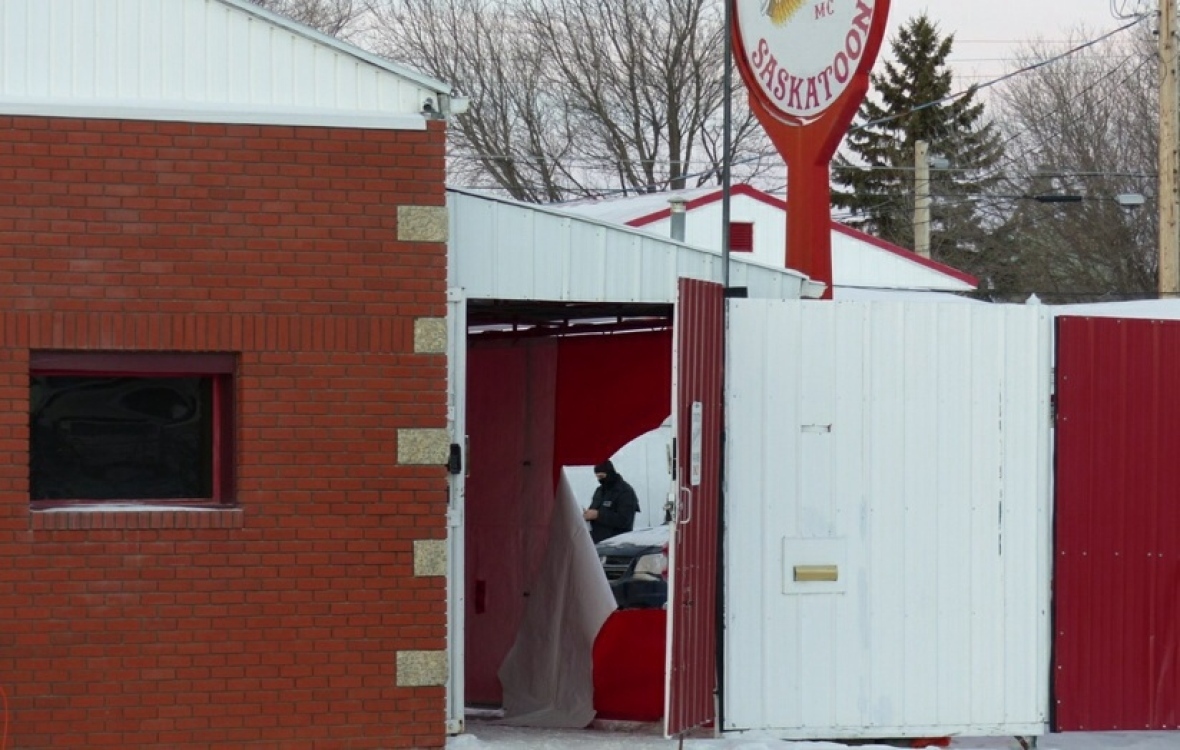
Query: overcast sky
[[988, 32]]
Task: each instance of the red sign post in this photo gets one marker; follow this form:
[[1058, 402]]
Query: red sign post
[[806, 64]]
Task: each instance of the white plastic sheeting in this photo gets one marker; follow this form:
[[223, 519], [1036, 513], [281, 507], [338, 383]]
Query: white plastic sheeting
[[548, 676], [908, 444]]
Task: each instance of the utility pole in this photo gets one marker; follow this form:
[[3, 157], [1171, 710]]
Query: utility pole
[[922, 197], [1169, 156]]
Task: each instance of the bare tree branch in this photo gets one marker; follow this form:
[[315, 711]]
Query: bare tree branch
[[1088, 126], [574, 98], [333, 17]]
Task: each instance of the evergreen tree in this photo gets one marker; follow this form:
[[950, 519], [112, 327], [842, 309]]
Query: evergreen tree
[[875, 180]]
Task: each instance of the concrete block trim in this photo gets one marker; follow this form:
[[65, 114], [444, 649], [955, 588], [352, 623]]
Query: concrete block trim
[[422, 223], [430, 557], [421, 668], [423, 447], [430, 336]]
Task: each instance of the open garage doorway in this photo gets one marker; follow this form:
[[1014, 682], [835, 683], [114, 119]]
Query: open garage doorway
[[554, 385], [548, 386]]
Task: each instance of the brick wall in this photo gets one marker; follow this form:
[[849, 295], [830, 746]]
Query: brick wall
[[278, 625]]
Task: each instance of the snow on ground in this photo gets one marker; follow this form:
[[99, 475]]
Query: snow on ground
[[492, 736]]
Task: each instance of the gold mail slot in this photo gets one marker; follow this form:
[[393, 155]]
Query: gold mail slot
[[817, 573]]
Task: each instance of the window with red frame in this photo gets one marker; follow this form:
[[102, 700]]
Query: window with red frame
[[741, 236], [135, 427]]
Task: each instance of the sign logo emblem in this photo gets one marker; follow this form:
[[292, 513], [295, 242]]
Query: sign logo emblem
[[802, 54], [780, 11]]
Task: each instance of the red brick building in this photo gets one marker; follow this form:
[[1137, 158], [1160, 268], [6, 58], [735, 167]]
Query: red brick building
[[223, 362]]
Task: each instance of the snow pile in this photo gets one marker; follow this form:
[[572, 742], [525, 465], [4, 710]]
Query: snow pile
[[493, 737]]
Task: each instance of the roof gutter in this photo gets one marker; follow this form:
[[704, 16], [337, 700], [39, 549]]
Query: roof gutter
[[812, 289]]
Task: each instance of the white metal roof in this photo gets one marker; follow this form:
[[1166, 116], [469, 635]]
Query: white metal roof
[[623, 209], [504, 249], [196, 60]]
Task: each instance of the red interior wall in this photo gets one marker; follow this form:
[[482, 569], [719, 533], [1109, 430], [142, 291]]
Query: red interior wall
[[610, 390], [509, 496], [533, 406]]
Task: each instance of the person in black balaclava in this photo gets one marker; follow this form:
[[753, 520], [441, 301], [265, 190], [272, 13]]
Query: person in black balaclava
[[612, 511]]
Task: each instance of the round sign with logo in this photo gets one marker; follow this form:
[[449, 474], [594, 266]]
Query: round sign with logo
[[806, 65], [800, 56]]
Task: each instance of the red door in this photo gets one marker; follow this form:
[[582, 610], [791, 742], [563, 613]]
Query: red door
[[1116, 587], [692, 600]]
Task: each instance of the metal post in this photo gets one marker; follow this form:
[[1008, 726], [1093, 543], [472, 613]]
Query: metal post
[[676, 209], [727, 141], [1169, 159], [726, 176], [922, 198]]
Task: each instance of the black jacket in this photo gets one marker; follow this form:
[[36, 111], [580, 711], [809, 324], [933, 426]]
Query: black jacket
[[616, 504]]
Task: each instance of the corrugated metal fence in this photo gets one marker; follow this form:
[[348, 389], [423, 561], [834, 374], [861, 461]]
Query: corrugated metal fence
[[1117, 568], [907, 445]]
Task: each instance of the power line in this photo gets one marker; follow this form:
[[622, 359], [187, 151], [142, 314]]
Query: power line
[[1001, 79]]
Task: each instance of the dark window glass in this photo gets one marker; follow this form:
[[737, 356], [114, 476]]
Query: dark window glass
[[121, 438]]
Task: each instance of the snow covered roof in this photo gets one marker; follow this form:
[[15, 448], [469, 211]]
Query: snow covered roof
[[642, 209], [1152, 309], [225, 61]]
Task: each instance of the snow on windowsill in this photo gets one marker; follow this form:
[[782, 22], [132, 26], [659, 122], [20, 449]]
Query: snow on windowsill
[[125, 507]]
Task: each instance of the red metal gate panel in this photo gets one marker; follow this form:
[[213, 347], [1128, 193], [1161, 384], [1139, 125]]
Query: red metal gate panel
[[1117, 557], [692, 632]]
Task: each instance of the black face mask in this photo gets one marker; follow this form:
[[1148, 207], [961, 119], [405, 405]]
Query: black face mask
[[604, 480]]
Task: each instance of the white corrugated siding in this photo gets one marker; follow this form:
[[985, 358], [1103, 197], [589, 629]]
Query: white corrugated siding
[[909, 444], [856, 263], [164, 59], [507, 250]]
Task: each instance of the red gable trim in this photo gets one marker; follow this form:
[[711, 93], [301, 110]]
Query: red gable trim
[[704, 200], [770, 200]]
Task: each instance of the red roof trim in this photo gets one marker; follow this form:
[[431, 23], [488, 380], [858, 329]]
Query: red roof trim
[[770, 200], [704, 200]]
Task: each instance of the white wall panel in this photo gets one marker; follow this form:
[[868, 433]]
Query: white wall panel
[[909, 443], [857, 263], [702, 226], [164, 59], [501, 249]]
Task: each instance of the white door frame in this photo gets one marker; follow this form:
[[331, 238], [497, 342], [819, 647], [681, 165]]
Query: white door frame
[[456, 585]]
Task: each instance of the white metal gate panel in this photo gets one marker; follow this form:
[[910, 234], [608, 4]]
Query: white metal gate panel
[[907, 444]]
